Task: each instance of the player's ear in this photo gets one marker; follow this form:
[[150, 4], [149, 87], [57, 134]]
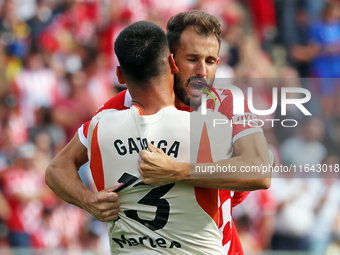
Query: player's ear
[[173, 67], [120, 76], [217, 61]]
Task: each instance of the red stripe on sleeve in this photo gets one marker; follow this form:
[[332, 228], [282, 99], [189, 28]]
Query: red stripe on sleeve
[[86, 128], [96, 163], [239, 197]]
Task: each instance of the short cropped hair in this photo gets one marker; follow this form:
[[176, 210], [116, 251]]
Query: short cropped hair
[[141, 48], [203, 23]]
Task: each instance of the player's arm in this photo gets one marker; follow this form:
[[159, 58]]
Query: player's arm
[[63, 178], [249, 151], [158, 169]]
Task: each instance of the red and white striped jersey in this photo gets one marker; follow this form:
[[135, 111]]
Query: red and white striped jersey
[[227, 199], [25, 215]]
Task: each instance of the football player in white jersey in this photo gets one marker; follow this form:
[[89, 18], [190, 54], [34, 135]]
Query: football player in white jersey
[[151, 220]]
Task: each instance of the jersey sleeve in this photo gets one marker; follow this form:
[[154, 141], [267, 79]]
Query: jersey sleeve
[[91, 126], [239, 197], [121, 101], [240, 123]]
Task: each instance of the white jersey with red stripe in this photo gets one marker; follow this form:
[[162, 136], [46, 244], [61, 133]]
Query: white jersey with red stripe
[[170, 219], [223, 103], [227, 199]]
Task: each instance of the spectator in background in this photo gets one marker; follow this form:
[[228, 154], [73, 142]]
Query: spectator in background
[[59, 226], [35, 86], [289, 78], [13, 30], [295, 213], [315, 8], [5, 212], [334, 246], [45, 236], [249, 242], [76, 108], [119, 17], [332, 139], [296, 196], [44, 151], [260, 211], [234, 37], [41, 19], [264, 22], [295, 26], [325, 38], [325, 45], [99, 83], [90, 235], [223, 69], [13, 129], [306, 146], [25, 9], [24, 189], [254, 62], [47, 126], [327, 206], [233, 32]]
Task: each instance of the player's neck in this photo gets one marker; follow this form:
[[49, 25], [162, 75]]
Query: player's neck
[[151, 100]]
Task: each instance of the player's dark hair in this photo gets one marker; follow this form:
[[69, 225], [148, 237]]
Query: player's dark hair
[[203, 23], [141, 49]]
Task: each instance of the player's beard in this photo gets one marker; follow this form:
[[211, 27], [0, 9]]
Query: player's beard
[[181, 91]]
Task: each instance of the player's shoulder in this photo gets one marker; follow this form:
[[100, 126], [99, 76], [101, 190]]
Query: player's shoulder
[[121, 101], [223, 99], [112, 118], [222, 96], [113, 114], [225, 94], [183, 114], [223, 91], [179, 111], [171, 112], [176, 117]]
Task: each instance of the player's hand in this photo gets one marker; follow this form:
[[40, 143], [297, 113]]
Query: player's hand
[[104, 205], [157, 168]]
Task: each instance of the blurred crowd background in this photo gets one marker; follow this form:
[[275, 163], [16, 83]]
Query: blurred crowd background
[[57, 66]]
